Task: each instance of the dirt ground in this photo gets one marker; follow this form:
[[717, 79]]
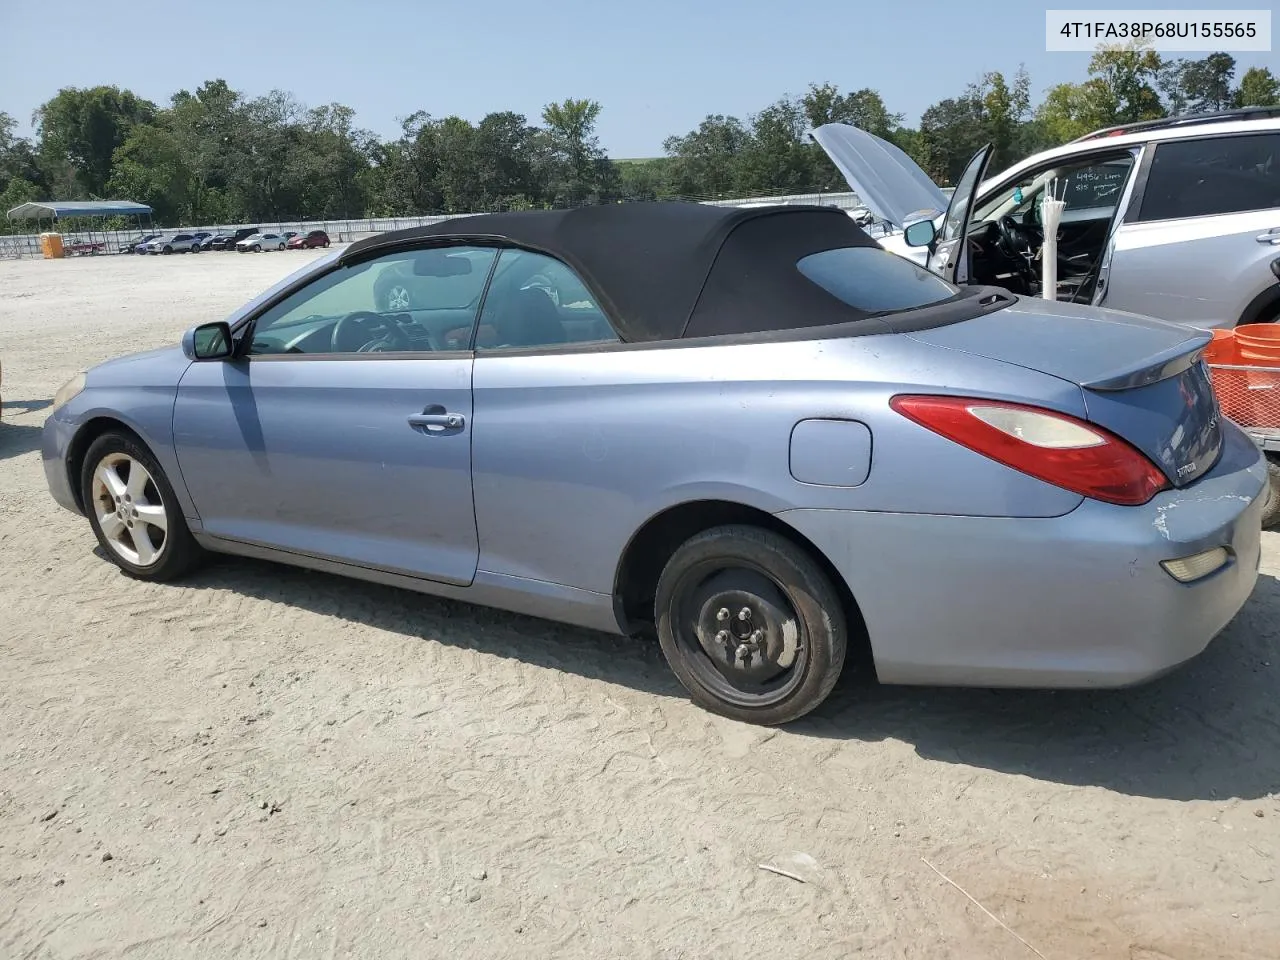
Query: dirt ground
[[269, 762]]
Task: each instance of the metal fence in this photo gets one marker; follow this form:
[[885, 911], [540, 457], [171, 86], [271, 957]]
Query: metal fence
[[20, 246]]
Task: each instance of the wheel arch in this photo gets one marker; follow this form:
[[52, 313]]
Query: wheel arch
[[651, 546], [1264, 308], [83, 439]]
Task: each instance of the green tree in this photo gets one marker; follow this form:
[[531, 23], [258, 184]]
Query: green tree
[[1070, 110], [1005, 110], [776, 159], [1171, 83], [151, 167], [990, 110], [645, 179], [864, 109], [206, 125], [1202, 85], [704, 162], [951, 131], [18, 162], [1121, 88], [330, 160], [1258, 88], [1126, 75], [573, 160], [80, 130], [17, 191], [504, 142]]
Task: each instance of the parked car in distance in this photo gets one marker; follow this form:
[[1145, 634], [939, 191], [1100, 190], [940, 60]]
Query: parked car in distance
[[1176, 218], [308, 240], [176, 243], [131, 246], [228, 241], [452, 285], [257, 242], [1053, 500]]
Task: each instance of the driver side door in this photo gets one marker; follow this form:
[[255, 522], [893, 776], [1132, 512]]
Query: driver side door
[[949, 255], [342, 431]]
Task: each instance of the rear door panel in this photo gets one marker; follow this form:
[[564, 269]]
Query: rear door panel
[[1198, 270], [1198, 248]]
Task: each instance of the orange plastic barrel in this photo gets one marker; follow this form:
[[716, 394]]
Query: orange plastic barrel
[[1231, 386], [1223, 348], [1259, 344]]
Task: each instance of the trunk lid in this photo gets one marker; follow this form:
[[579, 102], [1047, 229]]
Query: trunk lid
[[1142, 378]]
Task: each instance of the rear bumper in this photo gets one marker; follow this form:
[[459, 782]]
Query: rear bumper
[[1073, 601]]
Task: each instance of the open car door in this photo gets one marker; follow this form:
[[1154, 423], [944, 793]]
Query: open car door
[[948, 252]]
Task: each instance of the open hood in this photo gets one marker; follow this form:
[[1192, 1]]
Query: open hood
[[888, 181]]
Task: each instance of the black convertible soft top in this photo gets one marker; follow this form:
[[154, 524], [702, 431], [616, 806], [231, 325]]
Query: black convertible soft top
[[670, 270]]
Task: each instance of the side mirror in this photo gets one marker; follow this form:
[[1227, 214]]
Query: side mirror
[[209, 341], [920, 233]]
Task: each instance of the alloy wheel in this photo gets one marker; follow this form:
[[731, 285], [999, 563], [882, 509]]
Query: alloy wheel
[[130, 510], [398, 298]]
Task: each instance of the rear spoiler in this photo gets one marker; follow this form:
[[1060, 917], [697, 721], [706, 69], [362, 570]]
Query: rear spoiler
[[1163, 365]]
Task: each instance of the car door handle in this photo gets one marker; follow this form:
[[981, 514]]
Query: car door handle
[[1271, 236], [437, 417]]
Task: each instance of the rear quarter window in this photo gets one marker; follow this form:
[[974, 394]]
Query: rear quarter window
[[873, 280], [1213, 175]]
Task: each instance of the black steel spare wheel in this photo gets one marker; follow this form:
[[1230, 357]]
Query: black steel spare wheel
[[750, 624]]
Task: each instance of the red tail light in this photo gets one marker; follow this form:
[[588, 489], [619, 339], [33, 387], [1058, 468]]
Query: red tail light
[[1050, 446]]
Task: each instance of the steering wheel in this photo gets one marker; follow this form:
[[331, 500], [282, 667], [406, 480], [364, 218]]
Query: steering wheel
[[1012, 237], [1018, 244], [367, 332]]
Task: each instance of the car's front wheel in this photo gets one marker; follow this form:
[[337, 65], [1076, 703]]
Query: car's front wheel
[[751, 625], [134, 511], [257, 248]]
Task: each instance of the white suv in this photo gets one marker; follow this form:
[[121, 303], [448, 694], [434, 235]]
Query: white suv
[[1177, 218]]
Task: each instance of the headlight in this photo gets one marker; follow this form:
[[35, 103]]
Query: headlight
[[68, 391]]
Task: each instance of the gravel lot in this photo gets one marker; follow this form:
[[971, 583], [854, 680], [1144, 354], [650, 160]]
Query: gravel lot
[[269, 762]]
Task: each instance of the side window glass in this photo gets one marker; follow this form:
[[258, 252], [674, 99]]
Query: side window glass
[[416, 301], [537, 301], [1096, 186], [1213, 175], [1093, 186]]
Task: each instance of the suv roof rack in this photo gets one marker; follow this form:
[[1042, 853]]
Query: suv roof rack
[[1183, 120]]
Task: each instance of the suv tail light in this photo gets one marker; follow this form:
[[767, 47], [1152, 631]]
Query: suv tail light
[[1050, 446]]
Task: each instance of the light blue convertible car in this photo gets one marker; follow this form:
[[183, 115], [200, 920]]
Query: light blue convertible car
[[754, 431]]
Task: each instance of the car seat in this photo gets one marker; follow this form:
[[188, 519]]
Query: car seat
[[532, 320]]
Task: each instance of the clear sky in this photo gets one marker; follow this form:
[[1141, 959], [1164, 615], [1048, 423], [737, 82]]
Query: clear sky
[[657, 66]]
